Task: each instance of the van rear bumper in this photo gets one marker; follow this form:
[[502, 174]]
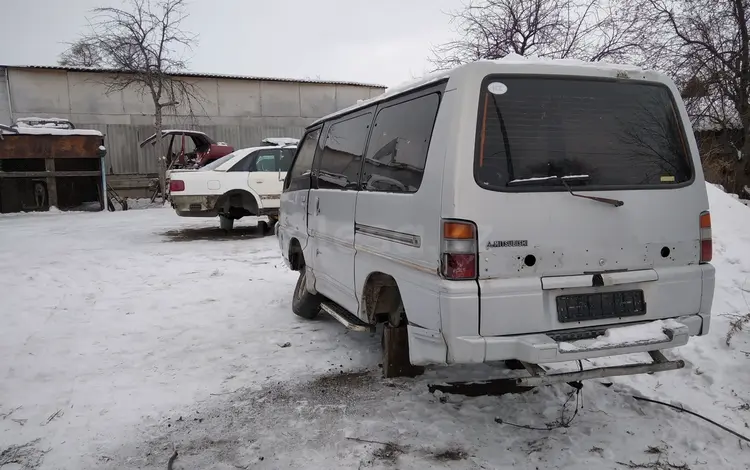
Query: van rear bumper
[[540, 348], [424, 347]]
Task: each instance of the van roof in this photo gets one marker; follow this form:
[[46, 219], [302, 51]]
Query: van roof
[[510, 62]]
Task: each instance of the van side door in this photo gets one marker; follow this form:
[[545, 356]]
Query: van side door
[[333, 199], [294, 198], [399, 204]]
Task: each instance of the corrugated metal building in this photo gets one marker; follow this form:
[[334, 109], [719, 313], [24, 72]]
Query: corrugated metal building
[[238, 110]]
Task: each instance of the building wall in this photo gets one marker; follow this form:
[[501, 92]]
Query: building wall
[[240, 112], [5, 117]]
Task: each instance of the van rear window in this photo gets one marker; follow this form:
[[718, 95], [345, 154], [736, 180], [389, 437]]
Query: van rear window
[[607, 133]]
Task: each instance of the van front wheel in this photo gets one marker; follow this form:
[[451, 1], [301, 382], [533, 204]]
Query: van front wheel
[[396, 353], [305, 304]]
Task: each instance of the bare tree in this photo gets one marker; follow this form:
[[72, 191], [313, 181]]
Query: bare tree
[[81, 54], [143, 45], [583, 29], [705, 45]]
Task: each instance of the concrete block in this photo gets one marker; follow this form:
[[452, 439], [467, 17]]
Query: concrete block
[[276, 122], [347, 95], [5, 117], [134, 102], [279, 99], [205, 103], [36, 91], [239, 98], [80, 120], [317, 101], [88, 94]]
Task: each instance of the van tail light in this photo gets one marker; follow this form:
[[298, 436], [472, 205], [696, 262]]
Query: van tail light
[[705, 232], [176, 185], [458, 257]]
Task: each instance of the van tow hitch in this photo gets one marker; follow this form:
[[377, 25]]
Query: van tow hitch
[[539, 376]]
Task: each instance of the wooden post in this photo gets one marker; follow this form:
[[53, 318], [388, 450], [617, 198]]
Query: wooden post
[[49, 165]]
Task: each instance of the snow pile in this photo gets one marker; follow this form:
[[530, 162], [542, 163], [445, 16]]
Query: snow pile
[[280, 141], [624, 336], [517, 59], [129, 334], [52, 131], [49, 123], [738, 197], [143, 203], [47, 126]]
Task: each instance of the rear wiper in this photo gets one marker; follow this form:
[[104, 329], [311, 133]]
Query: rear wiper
[[564, 180]]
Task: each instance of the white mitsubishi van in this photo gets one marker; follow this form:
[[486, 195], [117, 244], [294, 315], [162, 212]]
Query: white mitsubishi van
[[536, 211]]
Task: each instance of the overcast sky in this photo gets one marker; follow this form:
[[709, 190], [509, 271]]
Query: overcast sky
[[374, 41]]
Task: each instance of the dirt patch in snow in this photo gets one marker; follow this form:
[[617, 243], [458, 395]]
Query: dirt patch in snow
[[28, 456], [452, 454], [212, 233], [390, 452], [244, 430]]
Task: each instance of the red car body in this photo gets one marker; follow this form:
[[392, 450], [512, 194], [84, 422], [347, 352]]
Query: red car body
[[205, 150]]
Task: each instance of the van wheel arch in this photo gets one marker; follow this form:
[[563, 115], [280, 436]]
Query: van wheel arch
[[296, 255], [383, 304], [382, 300]]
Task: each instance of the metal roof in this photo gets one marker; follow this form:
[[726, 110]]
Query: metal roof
[[198, 75]]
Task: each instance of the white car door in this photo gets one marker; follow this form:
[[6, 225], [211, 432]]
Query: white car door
[[263, 176]]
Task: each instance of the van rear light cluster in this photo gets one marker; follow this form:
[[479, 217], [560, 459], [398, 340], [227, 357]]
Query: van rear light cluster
[[458, 257], [176, 185], [705, 234]]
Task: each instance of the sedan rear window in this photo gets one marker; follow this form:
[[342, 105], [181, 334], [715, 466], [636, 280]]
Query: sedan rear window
[[608, 133], [220, 161]]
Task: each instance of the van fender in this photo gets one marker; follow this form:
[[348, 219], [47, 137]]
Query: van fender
[[420, 303]]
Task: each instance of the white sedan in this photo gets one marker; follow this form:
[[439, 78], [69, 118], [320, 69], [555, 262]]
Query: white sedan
[[246, 182]]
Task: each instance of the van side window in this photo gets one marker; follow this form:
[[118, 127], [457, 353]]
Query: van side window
[[299, 176], [342, 155], [398, 147], [287, 155]]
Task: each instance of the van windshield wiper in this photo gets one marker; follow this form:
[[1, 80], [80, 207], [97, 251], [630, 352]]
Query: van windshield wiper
[[564, 180]]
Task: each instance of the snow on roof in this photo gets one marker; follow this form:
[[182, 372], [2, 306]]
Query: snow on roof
[[201, 75], [280, 141], [46, 126], [53, 131], [389, 92], [510, 59], [51, 122], [181, 131], [526, 60]]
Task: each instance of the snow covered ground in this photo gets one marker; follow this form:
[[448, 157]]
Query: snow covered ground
[[126, 335]]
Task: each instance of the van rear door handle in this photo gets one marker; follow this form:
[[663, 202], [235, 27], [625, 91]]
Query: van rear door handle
[[317, 205]]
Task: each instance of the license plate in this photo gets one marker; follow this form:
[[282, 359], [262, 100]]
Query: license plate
[[599, 306]]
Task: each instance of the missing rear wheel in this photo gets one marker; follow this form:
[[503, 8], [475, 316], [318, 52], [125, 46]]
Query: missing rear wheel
[[396, 363]]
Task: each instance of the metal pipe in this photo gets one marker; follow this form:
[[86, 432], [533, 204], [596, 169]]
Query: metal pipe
[[104, 184], [346, 319], [630, 369], [10, 103]]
